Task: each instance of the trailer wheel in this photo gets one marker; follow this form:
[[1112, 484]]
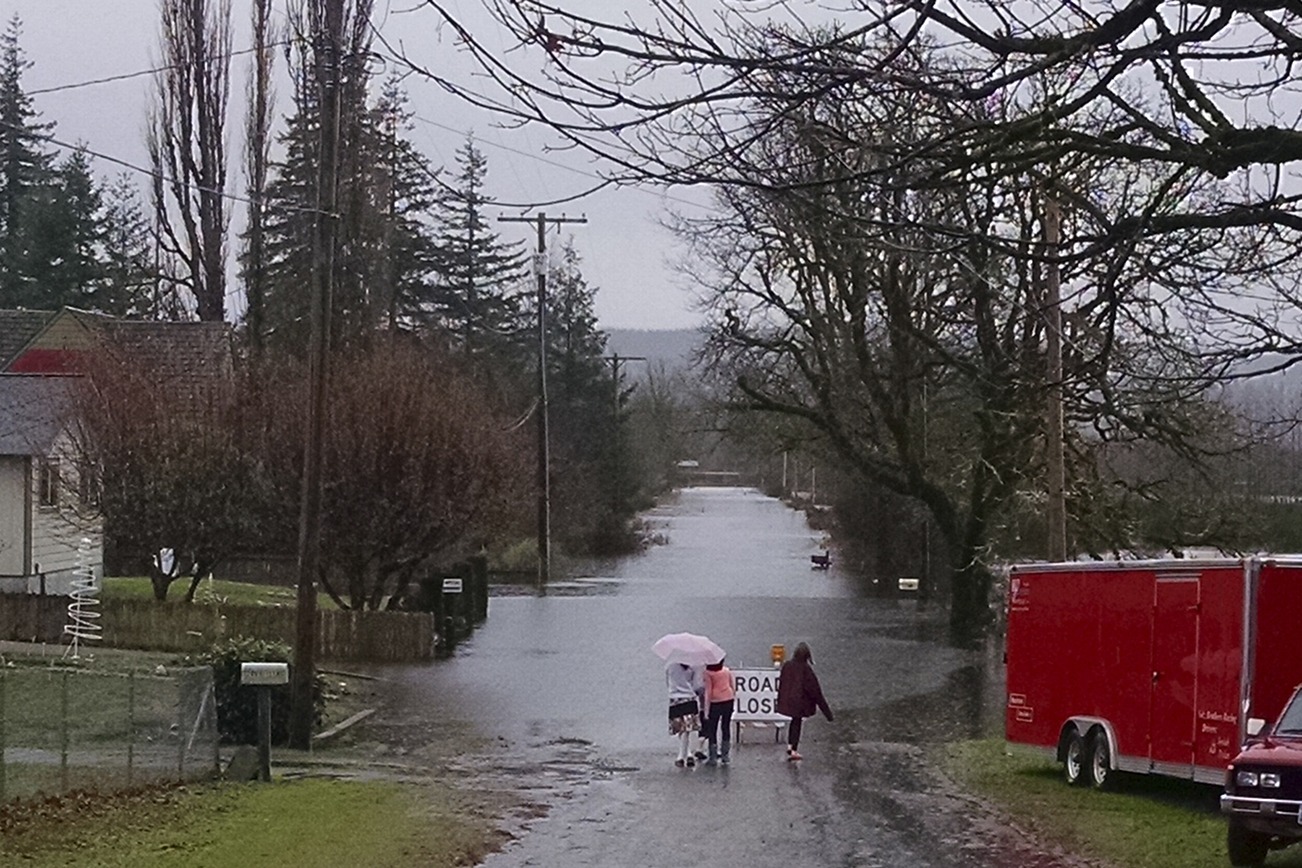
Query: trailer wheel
[[1073, 764], [1098, 762], [1247, 848]]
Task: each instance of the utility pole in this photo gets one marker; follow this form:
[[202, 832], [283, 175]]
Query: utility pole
[[544, 445], [614, 373], [328, 36], [1056, 514]]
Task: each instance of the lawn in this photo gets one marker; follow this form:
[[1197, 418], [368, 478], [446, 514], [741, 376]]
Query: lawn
[[285, 823], [1142, 822], [210, 591]]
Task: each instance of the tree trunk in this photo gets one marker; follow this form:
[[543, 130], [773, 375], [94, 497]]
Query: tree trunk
[[160, 581], [201, 570]]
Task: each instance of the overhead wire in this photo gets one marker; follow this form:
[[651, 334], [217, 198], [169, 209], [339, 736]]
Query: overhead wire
[[152, 173], [140, 73]]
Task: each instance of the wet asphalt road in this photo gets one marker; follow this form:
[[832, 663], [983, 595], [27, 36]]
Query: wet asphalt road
[[567, 689]]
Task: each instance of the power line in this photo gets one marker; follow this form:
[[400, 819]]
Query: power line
[[235, 197], [562, 166], [126, 76]]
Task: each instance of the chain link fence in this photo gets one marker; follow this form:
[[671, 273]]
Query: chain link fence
[[63, 729]]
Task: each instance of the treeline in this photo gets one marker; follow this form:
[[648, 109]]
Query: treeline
[[425, 291]]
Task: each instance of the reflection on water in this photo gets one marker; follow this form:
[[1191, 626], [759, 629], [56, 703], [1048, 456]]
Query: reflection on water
[[735, 566]]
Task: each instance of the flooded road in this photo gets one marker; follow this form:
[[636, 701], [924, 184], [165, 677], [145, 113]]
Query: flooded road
[[570, 704]]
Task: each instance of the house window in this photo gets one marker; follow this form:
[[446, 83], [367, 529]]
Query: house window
[[88, 486], [48, 483]]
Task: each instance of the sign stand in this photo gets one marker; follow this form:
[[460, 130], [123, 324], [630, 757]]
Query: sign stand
[[756, 703]]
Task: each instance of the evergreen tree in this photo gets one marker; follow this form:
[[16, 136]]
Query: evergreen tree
[[66, 261], [26, 169], [405, 182], [477, 272], [386, 251], [593, 467], [288, 222], [127, 276]]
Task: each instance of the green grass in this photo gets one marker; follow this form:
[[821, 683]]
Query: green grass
[[1141, 822], [210, 591], [298, 823]]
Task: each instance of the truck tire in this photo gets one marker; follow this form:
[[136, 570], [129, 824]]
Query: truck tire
[[1073, 764], [1246, 847], [1098, 760]]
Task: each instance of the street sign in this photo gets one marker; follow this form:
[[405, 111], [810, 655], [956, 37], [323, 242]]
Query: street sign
[[757, 696], [261, 674], [452, 586]]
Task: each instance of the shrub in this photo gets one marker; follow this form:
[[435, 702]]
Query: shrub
[[237, 706]]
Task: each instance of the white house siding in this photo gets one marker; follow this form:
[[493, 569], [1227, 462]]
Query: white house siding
[[13, 516], [57, 533]]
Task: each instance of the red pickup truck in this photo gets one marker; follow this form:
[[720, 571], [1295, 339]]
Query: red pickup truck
[[1263, 790]]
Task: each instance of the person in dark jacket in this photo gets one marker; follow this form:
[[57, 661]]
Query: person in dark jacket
[[799, 695]]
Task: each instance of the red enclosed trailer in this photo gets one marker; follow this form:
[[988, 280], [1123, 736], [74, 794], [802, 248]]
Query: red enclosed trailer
[[1152, 667]]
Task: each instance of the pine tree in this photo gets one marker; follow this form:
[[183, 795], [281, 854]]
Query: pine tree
[[477, 272], [405, 182], [71, 236], [128, 276], [288, 222], [26, 169], [593, 465], [386, 251]]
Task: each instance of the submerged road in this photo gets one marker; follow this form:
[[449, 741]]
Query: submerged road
[[570, 704]]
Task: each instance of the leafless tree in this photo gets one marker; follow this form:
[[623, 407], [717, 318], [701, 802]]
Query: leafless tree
[[417, 464], [868, 267], [901, 319], [187, 146], [174, 471]]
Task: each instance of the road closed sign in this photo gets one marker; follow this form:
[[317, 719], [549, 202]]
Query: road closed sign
[[757, 696]]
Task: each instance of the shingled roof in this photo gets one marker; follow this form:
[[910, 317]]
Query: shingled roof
[[188, 356], [33, 410], [17, 328], [173, 351]]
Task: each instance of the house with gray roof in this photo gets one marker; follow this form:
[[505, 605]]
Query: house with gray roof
[[50, 528]]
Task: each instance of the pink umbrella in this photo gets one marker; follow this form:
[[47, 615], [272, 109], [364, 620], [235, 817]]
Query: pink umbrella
[[689, 648]]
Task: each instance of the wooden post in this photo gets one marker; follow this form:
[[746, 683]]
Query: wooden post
[[544, 438], [131, 726], [264, 734], [63, 735], [328, 35], [4, 680]]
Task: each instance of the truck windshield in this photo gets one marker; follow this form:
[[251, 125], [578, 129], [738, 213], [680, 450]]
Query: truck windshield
[[1290, 722]]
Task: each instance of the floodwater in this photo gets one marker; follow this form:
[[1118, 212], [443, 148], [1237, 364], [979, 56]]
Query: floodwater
[[567, 689]]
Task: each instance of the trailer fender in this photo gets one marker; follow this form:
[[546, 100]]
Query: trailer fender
[[1065, 734], [1085, 725]]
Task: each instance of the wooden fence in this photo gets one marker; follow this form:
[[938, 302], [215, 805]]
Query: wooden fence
[[377, 637]]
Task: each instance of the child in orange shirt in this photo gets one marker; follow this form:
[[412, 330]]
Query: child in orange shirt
[[719, 698]]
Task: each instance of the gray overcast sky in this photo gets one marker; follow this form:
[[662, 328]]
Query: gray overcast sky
[[625, 253]]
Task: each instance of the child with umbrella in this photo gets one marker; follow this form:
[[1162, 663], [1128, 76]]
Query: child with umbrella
[[684, 654]]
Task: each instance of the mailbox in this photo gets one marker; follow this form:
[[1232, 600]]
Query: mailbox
[[262, 674]]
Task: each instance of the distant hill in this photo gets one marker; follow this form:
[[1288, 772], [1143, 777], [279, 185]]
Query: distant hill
[[672, 347]]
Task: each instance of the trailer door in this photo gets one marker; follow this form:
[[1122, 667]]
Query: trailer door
[[1175, 672]]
